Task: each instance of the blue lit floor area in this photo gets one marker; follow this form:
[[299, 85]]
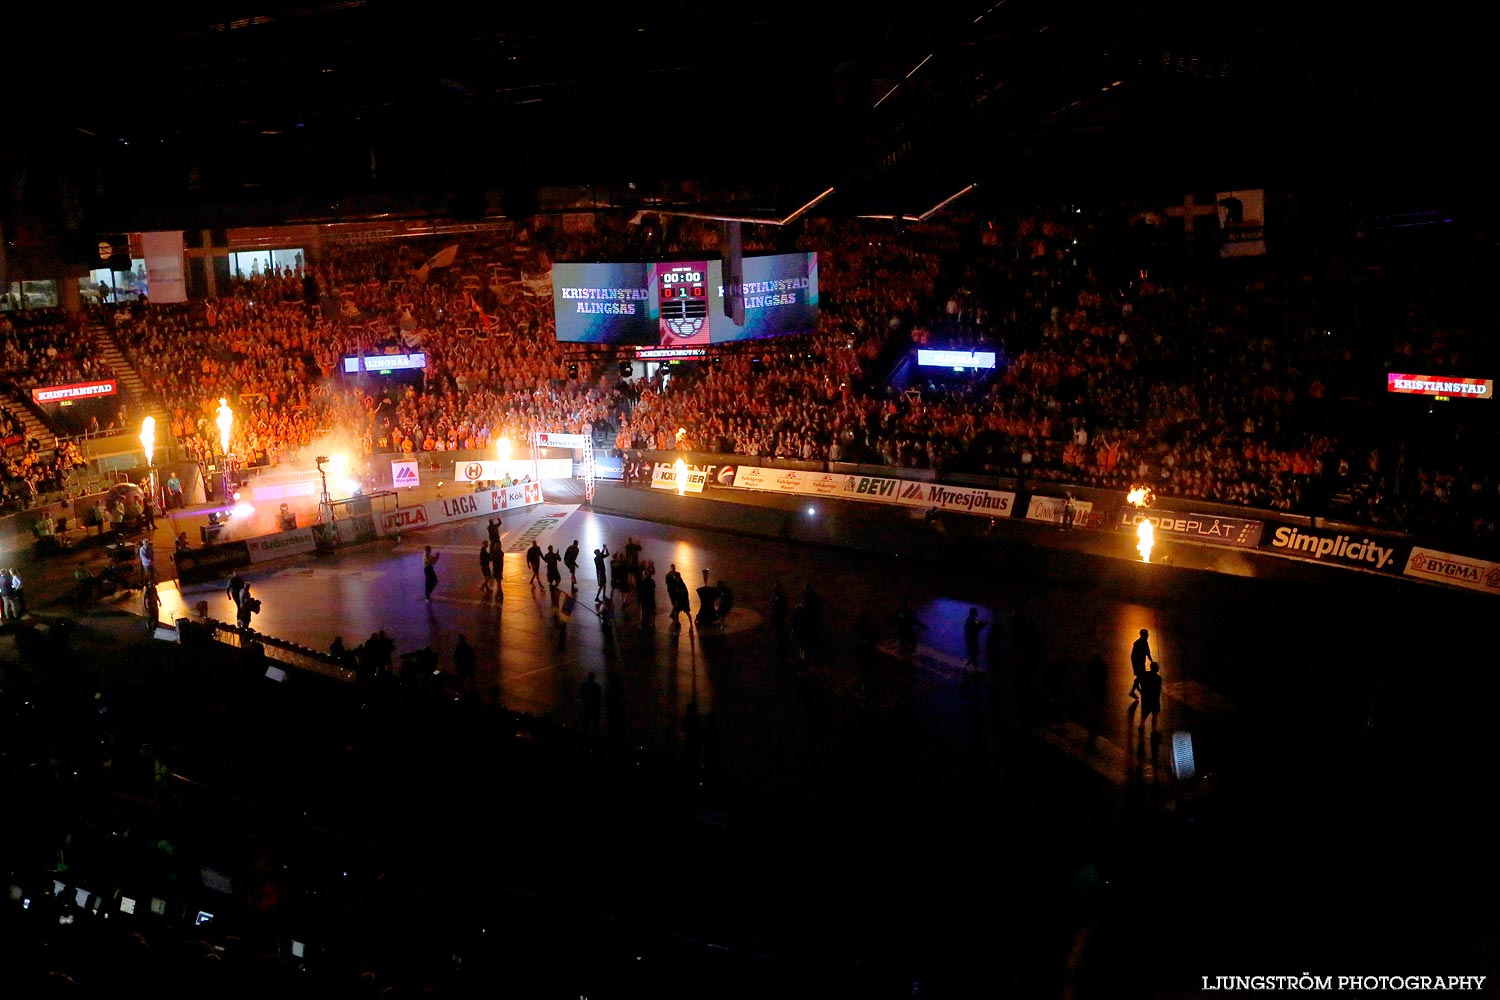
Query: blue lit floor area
[[857, 816]]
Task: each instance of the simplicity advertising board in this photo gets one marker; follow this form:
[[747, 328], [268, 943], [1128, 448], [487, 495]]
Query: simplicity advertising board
[[1339, 548]]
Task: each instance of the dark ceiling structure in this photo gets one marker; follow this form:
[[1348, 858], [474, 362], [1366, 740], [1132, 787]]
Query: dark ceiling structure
[[220, 114]]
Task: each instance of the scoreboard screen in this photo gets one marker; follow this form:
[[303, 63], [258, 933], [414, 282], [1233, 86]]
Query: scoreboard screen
[[681, 304]]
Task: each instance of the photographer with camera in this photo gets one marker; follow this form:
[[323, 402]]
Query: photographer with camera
[[245, 606]]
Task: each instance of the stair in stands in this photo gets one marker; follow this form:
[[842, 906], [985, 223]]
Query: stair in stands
[[131, 384], [22, 406]]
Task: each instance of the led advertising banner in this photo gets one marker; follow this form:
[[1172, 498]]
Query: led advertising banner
[[1438, 385], [385, 363], [679, 305], [74, 390], [955, 359]]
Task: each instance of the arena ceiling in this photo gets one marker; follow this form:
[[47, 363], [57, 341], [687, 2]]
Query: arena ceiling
[[227, 114]]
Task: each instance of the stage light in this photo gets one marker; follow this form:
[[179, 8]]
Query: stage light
[[811, 511]]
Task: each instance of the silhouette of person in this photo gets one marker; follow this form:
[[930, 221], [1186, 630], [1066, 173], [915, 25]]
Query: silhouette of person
[[906, 629], [1140, 655], [463, 664], [972, 628], [534, 563], [1151, 695], [570, 560], [429, 573]]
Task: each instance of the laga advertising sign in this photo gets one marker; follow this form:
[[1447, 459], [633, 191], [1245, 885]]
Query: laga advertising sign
[[1460, 571], [74, 390], [1437, 385], [485, 503], [1199, 527]]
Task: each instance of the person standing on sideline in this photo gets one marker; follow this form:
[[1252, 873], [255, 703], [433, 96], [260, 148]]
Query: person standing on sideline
[[7, 597], [236, 584], [16, 593], [245, 606], [534, 563], [592, 695], [486, 570], [570, 560], [152, 608], [1069, 511], [148, 511], [1140, 655], [148, 562], [600, 555], [174, 491], [1150, 681], [972, 628], [429, 573]]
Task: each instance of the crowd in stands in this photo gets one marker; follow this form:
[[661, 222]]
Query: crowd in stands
[[1224, 384], [48, 347]]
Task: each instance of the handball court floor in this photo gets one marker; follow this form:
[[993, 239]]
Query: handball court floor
[[900, 814]]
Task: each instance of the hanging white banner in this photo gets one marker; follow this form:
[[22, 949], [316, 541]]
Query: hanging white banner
[[164, 279]]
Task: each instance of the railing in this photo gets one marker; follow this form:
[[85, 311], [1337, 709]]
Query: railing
[[282, 651]]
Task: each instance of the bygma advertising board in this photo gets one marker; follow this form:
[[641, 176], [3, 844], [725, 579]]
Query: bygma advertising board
[[681, 303]]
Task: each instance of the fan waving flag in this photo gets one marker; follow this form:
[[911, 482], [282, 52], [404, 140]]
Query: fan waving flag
[[483, 319], [443, 258]]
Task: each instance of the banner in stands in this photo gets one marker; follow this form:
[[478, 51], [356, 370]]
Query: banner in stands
[[1460, 571], [548, 440], [1384, 555], [73, 390], [283, 543], [1199, 527], [877, 489], [404, 473], [486, 503], [210, 561], [1051, 509], [1438, 385], [664, 477], [163, 253], [1242, 222]]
